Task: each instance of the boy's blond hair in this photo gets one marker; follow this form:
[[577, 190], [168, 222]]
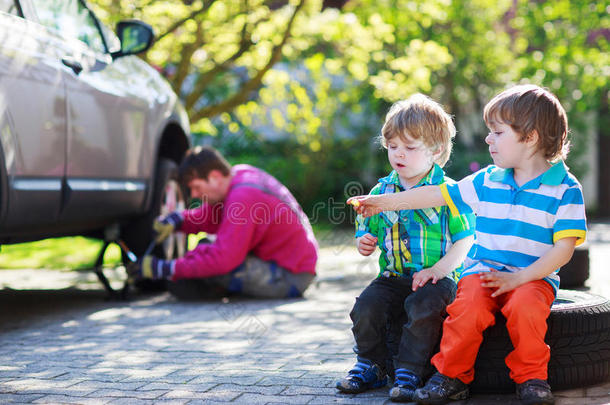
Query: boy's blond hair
[[421, 118], [528, 108]]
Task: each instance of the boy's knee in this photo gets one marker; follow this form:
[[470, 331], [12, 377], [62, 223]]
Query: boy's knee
[[533, 300], [526, 308], [471, 296], [477, 312], [477, 316], [426, 304], [363, 309]]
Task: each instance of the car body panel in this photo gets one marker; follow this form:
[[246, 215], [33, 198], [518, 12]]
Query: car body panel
[[33, 134], [79, 146]]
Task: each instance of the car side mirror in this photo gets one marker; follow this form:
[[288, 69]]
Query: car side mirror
[[135, 36]]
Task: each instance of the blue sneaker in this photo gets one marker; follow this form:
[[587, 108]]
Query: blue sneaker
[[405, 384], [364, 376]]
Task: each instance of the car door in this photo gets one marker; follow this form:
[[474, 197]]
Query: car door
[[32, 123], [106, 119]]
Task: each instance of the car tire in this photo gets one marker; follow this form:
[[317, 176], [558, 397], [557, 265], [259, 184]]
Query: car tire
[[578, 334], [576, 271], [168, 196]]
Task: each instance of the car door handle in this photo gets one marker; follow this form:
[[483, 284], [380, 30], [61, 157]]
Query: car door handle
[[72, 64]]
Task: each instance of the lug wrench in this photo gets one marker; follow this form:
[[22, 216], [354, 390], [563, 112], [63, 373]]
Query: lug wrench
[[150, 247], [133, 258], [130, 255]]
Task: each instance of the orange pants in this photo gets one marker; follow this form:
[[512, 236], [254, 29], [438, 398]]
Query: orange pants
[[525, 308]]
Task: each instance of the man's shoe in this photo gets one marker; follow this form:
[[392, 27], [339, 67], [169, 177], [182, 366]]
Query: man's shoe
[[405, 384], [441, 389], [364, 376], [535, 392]]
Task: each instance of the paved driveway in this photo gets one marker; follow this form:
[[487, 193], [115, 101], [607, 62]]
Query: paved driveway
[[65, 344]]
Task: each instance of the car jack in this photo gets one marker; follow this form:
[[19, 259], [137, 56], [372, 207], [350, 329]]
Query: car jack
[[111, 235]]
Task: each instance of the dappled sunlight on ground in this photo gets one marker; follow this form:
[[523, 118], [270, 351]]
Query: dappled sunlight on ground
[[70, 345]]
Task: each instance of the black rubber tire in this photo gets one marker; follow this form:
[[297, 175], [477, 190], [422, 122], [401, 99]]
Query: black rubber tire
[[576, 271], [578, 334], [139, 233]]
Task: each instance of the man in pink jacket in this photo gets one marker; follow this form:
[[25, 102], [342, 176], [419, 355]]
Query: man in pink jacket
[[264, 244]]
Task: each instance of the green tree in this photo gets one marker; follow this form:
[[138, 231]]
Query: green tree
[[289, 78], [567, 49], [457, 52], [214, 53]]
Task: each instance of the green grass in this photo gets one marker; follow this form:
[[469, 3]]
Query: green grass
[[59, 253], [72, 253]]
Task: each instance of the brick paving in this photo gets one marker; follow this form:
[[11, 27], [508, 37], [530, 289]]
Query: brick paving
[[61, 342]]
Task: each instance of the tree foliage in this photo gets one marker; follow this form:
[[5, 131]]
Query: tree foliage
[[214, 53], [292, 77]]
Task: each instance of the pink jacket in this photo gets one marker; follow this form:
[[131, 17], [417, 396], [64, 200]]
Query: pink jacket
[[252, 219]]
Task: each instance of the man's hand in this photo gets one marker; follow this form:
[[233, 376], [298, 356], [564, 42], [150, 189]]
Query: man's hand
[[167, 225], [366, 244], [501, 280], [152, 268]]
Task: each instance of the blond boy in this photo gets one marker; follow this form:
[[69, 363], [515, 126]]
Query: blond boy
[[420, 253]]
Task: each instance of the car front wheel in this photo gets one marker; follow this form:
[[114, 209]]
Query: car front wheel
[[168, 196]]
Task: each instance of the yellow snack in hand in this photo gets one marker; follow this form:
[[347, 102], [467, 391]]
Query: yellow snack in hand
[[355, 203]]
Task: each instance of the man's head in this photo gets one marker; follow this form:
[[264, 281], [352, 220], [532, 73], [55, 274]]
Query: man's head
[[206, 173], [533, 113], [423, 120]]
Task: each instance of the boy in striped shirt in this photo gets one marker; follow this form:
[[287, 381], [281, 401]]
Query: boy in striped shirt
[[421, 252], [530, 216]]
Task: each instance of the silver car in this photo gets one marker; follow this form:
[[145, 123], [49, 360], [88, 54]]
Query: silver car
[[90, 134]]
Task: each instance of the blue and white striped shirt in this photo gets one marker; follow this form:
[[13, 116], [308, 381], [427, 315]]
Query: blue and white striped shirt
[[515, 225]]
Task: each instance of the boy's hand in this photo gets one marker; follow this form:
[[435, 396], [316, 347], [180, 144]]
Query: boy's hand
[[421, 278], [365, 205], [501, 280], [366, 244]]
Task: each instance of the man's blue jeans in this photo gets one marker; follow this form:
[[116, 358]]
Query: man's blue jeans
[[388, 300], [253, 278]]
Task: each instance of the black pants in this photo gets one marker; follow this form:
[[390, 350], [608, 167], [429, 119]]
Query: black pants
[[390, 300]]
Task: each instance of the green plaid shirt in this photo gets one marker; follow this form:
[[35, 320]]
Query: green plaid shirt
[[412, 240]]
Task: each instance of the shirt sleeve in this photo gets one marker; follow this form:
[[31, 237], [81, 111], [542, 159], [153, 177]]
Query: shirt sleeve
[[232, 244], [205, 218], [462, 196], [369, 224], [570, 219], [461, 226]]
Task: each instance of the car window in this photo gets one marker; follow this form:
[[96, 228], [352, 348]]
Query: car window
[[9, 7], [72, 19]]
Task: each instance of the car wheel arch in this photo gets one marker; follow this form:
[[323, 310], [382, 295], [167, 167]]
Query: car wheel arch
[[173, 143]]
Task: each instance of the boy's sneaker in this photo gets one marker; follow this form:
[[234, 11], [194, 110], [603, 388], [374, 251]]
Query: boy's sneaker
[[364, 376], [440, 389], [405, 384], [535, 392]]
